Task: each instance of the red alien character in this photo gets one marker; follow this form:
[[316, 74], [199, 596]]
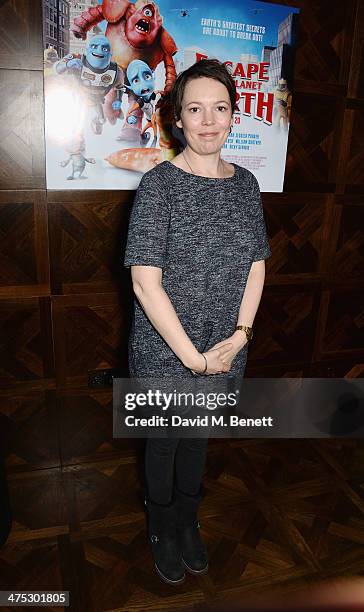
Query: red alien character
[[135, 31]]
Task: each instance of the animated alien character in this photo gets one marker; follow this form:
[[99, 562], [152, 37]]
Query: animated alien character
[[282, 104], [76, 149], [97, 75], [50, 57], [135, 32], [142, 82]]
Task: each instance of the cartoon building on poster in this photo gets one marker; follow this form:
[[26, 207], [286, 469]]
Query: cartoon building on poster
[[108, 68]]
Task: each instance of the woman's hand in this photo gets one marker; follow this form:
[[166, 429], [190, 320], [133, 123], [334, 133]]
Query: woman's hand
[[235, 342], [216, 360]]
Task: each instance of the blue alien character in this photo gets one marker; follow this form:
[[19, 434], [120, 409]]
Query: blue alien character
[[76, 149], [97, 75], [141, 82]]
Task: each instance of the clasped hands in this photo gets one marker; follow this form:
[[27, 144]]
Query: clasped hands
[[220, 356]]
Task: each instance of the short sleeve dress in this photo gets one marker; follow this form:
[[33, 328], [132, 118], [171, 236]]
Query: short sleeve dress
[[205, 234]]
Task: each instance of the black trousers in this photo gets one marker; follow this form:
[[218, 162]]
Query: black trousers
[[174, 461]]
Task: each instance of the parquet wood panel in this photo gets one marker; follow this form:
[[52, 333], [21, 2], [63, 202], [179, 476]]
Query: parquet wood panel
[[341, 332], [45, 428], [86, 230], [87, 240], [276, 513], [324, 43], [352, 367], [85, 427], [354, 177], [25, 341], [21, 44], [310, 144], [331, 367], [347, 230], [90, 333], [29, 429], [21, 130], [24, 260], [296, 223], [287, 323], [356, 75]]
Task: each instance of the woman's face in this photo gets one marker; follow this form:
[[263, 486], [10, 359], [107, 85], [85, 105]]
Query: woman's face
[[206, 115]]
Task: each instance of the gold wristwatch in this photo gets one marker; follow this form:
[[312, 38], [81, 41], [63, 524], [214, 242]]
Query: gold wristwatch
[[248, 331]]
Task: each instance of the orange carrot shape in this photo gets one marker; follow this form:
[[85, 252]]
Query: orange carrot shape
[[139, 160]]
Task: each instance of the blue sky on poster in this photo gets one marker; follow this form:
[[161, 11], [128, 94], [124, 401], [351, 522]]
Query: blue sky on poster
[[187, 30]]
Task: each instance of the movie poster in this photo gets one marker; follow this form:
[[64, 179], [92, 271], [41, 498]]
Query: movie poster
[[108, 68]]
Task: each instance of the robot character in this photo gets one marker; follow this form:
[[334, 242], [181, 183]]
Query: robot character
[[141, 83], [76, 149], [282, 104], [97, 75], [136, 32]]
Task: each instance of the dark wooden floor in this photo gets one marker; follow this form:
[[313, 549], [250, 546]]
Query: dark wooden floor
[[277, 513]]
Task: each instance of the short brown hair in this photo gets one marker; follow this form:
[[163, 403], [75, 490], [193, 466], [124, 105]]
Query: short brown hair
[[211, 68]]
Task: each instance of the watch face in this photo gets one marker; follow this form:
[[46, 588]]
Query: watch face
[[247, 330]]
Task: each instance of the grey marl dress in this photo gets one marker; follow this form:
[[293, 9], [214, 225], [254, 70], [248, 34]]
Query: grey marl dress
[[204, 233]]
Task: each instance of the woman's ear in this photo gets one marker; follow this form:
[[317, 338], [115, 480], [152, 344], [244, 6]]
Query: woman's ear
[[178, 135], [179, 124]]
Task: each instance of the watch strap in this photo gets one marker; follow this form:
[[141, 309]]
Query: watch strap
[[248, 331]]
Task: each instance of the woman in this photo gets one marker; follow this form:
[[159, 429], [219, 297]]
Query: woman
[[196, 245]]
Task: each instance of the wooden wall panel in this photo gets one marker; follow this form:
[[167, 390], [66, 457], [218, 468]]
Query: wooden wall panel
[[21, 130], [26, 350], [342, 330], [354, 177], [323, 53], [295, 223], [315, 236], [41, 503], [351, 367], [85, 427], [24, 255], [65, 299], [21, 44], [310, 145], [348, 258], [29, 429], [285, 329], [90, 333], [356, 76], [87, 240]]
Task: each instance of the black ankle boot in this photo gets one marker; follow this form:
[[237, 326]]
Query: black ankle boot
[[194, 554], [163, 538]]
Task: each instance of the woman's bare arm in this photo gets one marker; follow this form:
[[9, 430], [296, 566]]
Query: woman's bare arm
[[248, 309], [252, 294], [147, 286]]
